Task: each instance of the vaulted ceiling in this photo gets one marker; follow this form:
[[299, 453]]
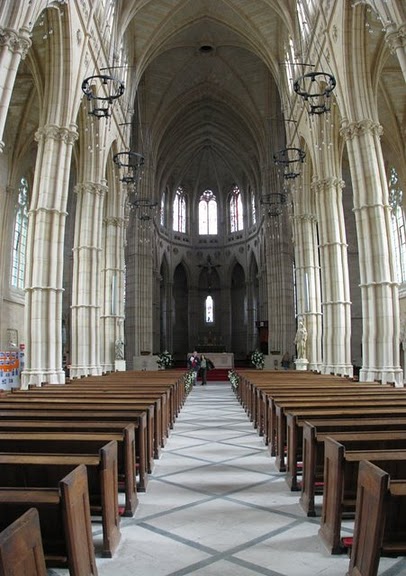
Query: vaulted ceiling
[[208, 95]]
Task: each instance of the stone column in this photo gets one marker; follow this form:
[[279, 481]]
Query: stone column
[[193, 316], [379, 288], [112, 281], [14, 45], [224, 314], [86, 297], [335, 280], [308, 285], [251, 316], [396, 39], [166, 310], [279, 271], [46, 233]]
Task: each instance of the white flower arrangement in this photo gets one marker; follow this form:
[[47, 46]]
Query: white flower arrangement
[[257, 359], [188, 380], [234, 379], [165, 360]]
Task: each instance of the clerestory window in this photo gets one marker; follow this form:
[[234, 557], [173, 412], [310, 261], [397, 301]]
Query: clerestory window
[[207, 213], [398, 223], [236, 212], [20, 236], [179, 211]]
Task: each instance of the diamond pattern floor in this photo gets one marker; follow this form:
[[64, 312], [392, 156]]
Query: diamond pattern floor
[[217, 506]]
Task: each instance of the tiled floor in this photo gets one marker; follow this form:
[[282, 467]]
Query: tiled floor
[[216, 506]]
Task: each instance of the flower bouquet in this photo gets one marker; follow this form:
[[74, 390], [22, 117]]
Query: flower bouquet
[[257, 359], [234, 379], [165, 360], [188, 380]]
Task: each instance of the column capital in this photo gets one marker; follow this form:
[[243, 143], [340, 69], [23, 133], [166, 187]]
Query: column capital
[[18, 42], [115, 222], [324, 184], [308, 218], [350, 130], [396, 38], [55, 132], [95, 188]]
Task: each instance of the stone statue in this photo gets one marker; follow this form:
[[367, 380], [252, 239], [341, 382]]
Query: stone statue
[[300, 339], [119, 349]]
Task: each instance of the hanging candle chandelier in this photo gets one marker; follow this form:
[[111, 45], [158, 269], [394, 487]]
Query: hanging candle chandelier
[[101, 91], [316, 88], [290, 159], [273, 203]]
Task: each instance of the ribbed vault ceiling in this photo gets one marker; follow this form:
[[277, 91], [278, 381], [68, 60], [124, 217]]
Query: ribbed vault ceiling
[[207, 97]]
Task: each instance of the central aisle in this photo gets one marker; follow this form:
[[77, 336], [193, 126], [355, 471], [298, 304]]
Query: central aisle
[[216, 505]]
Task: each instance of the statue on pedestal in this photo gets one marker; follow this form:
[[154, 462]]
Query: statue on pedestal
[[301, 338], [119, 349]]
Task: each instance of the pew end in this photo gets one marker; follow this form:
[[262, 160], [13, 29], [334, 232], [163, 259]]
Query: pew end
[[21, 545]]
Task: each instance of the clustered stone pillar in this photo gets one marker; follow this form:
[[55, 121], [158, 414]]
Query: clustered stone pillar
[[14, 45], [335, 279], [86, 299], [44, 274], [112, 281], [308, 284], [379, 288]]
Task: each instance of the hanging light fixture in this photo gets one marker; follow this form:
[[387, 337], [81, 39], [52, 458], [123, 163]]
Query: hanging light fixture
[[290, 159], [316, 88], [132, 163], [144, 207], [101, 91], [273, 203]]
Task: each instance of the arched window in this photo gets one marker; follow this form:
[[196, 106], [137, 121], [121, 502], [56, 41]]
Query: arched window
[[236, 215], [20, 236], [398, 223], [253, 208], [179, 211], [208, 213], [162, 218], [209, 310]]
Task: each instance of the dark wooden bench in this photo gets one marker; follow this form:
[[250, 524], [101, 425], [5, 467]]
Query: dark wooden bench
[[266, 413], [90, 416], [36, 459], [315, 396], [21, 550], [62, 401], [158, 418], [341, 477], [290, 442], [64, 514], [311, 481], [380, 521], [121, 432]]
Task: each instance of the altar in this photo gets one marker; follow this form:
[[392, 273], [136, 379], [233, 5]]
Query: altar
[[219, 359]]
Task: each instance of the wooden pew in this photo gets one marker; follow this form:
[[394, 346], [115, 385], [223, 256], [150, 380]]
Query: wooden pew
[[64, 514], [266, 411], [341, 477], [86, 414], [41, 459], [314, 434], [290, 433], [21, 550], [159, 417], [61, 401], [121, 432], [316, 394], [380, 526]]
